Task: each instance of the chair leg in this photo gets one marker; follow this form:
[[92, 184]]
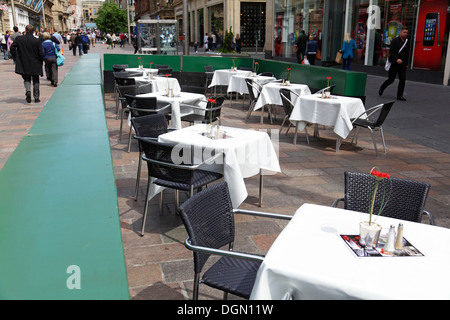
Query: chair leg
[[196, 285], [138, 177], [382, 139], [373, 140], [121, 125], [250, 109], [146, 206], [129, 139]]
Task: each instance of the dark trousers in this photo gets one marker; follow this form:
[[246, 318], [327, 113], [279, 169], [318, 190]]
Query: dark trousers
[[346, 63], [27, 82], [393, 71], [300, 55], [311, 58], [52, 69]]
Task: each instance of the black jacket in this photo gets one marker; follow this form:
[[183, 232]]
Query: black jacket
[[29, 55], [394, 54]]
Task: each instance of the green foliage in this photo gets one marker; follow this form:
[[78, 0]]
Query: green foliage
[[227, 42], [111, 18]]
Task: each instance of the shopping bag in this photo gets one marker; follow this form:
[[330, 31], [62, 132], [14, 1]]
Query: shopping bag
[[318, 55], [62, 51], [338, 57], [59, 57], [305, 60], [387, 66]]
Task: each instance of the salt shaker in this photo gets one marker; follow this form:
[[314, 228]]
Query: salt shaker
[[399, 241], [390, 242]]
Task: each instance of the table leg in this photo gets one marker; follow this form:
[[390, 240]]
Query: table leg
[[338, 143], [261, 185], [262, 115], [296, 131]]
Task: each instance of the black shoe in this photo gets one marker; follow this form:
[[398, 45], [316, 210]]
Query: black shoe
[[28, 96], [37, 100], [401, 98], [380, 92], [55, 84]]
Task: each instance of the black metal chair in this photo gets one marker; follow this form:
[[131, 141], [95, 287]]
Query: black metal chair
[[288, 106], [192, 89], [406, 201], [254, 90], [373, 125], [209, 220], [141, 106], [149, 126], [212, 112], [121, 79], [178, 174], [131, 90], [266, 74]]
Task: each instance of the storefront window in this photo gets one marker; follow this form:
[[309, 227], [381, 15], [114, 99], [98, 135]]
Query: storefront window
[[293, 16]]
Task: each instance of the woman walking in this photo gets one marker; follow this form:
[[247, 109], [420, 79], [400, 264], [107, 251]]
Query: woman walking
[[49, 47], [347, 51]]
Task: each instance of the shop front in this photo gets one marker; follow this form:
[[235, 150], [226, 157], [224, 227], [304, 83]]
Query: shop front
[[373, 24]]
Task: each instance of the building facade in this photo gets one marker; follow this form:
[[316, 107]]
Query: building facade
[[51, 14]]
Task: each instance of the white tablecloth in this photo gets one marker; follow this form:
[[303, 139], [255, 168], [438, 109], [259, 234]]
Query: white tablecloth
[[309, 260], [270, 93], [238, 84], [154, 71], [335, 111], [246, 153], [195, 99], [161, 84], [222, 77]]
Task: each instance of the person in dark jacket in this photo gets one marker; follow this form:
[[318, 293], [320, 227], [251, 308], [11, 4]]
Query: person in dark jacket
[[301, 46], [79, 44], [399, 63], [85, 41], [29, 58], [49, 47], [311, 49]]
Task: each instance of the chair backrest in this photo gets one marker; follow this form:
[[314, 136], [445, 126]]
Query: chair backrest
[[245, 69], [385, 109], [208, 68], [328, 87], [119, 67], [193, 89], [127, 90], [266, 74], [150, 126], [208, 219], [144, 104], [161, 66], [253, 86], [213, 109], [285, 95], [123, 79], [407, 198], [160, 160], [164, 71], [145, 88]]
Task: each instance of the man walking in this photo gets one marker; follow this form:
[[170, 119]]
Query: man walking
[[301, 46], [29, 58], [398, 56]]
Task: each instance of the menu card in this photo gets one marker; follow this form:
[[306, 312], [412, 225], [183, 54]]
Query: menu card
[[352, 241]]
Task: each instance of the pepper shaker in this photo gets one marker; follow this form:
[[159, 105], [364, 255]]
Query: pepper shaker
[[399, 241]]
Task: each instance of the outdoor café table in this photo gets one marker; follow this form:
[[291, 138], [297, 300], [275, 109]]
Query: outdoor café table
[[310, 260], [246, 153], [222, 77], [179, 98], [154, 71], [238, 84], [160, 84], [270, 94], [335, 111]]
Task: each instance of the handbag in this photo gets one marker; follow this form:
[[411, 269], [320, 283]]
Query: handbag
[[305, 60], [387, 66], [338, 59], [59, 57], [318, 55]]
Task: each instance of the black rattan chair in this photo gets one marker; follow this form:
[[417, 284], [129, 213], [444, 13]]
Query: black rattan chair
[[119, 67], [266, 74], [209, 220], [121, 79], [406, 202], [149, 126], [212, 112], [185, 176], [209, 71], [373, 125], [122, 91], [140, 106], [326, 88], [288, 106]]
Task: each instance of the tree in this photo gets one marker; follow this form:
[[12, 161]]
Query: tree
[[227, 42], [111, 18]]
